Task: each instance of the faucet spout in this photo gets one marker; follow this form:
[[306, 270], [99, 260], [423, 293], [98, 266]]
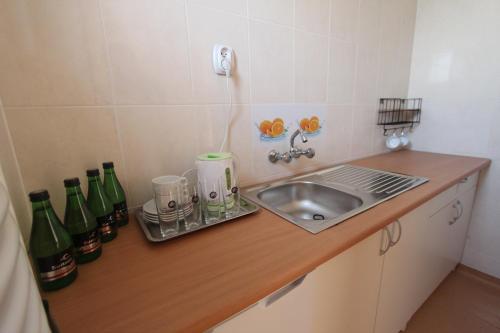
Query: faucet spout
[[294, 135]]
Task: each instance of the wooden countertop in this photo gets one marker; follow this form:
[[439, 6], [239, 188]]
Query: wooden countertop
[[192, 283]]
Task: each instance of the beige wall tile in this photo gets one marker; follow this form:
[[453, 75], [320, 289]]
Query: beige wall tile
[[53, 53], [313, 15], [365, 86], [148, 48], [339, 122], [364, 120], [322, 145], [56, 143], [342, 70], [344, 19], [165, 140], [311, 67], [396, 44], [267, 171], [213, 119], [277, 11], [158, 140], [271, 63], [209, 27], [379, 140], [235, 6], [368, 32]]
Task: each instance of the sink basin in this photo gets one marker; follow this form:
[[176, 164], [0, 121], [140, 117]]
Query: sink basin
[[309, 201], [322, 199]]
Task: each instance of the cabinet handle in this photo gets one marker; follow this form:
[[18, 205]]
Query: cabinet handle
[[400, 233], [384, 249], [282, 291], [459, 203], [463, 181], [460, 210]]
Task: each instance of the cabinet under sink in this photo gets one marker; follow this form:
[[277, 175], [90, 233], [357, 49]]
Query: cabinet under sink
[[364, 289]]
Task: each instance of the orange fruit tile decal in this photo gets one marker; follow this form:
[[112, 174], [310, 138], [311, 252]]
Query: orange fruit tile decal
[[265, 127], [274, 123], [310, 125], [272, 129]]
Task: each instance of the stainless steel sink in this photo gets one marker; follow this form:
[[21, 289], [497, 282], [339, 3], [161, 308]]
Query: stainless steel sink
[[309, 201], [320, 200]]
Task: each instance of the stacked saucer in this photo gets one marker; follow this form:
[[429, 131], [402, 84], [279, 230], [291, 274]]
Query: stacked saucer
[[150, 213]]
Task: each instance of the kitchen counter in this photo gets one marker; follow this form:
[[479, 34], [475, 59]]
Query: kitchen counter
[[192, 283]]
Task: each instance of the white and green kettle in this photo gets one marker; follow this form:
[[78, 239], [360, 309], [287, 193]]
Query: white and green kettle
[[217, 179]]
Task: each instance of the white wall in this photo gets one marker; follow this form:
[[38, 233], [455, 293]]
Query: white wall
[[21, 309], [13, 179], [456, 69]]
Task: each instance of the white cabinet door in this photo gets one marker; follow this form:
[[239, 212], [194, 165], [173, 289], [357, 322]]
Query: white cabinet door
[[291, 313], [400, 295], [437, 248], [460, 226], [338, 296], [445, 240], [346, 289]]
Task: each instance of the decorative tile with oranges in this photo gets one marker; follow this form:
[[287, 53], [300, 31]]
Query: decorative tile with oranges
[[310, 126], [274, 130]]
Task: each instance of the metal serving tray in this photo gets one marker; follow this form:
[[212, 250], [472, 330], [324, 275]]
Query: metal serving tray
[[152, 230]]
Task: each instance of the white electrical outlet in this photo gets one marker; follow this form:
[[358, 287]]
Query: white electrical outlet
[[223, 59]]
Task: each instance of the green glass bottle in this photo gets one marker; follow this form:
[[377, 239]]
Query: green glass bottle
[[81, 223], [101, 207], [50, 245], [115, 193]]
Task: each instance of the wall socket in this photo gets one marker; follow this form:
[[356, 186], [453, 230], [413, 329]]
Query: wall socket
[[222, 59]]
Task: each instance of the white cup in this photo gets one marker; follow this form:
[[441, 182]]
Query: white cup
[[405, 140], [393, 142], [171, 184]]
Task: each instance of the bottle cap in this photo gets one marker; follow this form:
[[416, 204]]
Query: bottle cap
[[108, 165], [92, 172], [39, 195], [70, 182]]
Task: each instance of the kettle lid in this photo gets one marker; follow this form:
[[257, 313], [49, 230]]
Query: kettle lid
[[214, 156]]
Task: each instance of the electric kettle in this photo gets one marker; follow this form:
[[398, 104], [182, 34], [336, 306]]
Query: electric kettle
[[217, 178]]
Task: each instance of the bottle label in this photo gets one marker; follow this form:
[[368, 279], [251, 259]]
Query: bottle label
[[56, 267], [86, 242], [107, 224], [121, 212]]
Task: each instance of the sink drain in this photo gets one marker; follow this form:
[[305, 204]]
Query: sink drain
[[318, 217]]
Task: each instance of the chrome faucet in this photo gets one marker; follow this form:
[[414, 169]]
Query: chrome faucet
[[294, 152]]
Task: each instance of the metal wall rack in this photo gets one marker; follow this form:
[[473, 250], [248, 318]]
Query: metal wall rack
[[399, 113]]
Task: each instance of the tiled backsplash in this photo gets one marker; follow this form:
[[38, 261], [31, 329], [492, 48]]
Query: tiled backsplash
[[131, 81]]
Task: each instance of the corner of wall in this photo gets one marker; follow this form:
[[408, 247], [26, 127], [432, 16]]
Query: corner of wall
[[13, 178]]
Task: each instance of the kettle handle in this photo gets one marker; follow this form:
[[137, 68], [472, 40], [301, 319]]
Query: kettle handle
[[187, 171], [235, 162]]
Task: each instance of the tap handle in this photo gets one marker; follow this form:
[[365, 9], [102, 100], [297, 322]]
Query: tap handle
[[310, 153], [286, 157], [273, 156]]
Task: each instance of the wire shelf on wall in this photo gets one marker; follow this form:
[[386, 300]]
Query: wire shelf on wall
[[399, 113]]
